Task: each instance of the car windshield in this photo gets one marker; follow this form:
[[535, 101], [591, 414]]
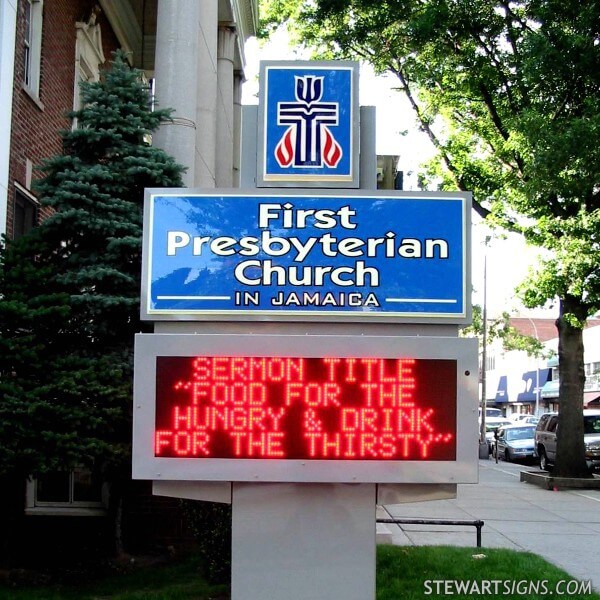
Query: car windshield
[[591, 424], [493, 426], [520, 433]]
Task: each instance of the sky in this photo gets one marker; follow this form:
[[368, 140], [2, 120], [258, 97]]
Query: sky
[[506, 256]]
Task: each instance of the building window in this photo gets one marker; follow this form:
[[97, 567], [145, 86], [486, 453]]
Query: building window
[[79, 492], [592, 368], [592, 376], [32, 43], [25, 212], [27, 42]]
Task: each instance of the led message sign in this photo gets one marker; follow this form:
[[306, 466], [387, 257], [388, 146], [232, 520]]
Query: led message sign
[[305, 408], [287, 256]]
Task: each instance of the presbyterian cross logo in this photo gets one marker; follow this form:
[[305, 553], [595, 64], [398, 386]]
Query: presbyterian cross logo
[[308, 140], [308, 124]]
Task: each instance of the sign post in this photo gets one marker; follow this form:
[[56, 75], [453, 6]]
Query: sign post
[[305, 355], [306, 426]]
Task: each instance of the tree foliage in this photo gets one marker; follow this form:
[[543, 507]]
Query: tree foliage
[[501, 329], [69, 288], [515, 86], [509, 94]]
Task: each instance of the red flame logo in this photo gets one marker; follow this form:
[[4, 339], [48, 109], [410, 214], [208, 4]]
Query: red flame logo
[[284, 152], [332, 151]]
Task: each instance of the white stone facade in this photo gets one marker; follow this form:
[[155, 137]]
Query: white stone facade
[[194, 50]]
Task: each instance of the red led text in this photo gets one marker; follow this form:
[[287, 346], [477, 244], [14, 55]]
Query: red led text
[[306, 408]]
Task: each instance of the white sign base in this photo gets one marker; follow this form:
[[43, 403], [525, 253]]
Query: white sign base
[[303, 541]]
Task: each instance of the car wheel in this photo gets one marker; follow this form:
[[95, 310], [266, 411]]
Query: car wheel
[[507, 456], [543, 460]]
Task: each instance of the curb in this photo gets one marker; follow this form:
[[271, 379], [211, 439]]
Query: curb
[[547, 481]]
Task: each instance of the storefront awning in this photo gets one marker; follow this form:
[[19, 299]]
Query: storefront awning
[[532, 382], [502, 391], [521, 389], [550, 390]]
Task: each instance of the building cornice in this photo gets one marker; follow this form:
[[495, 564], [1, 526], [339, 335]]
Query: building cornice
[[245, 13], [248, 17], [122, 19]]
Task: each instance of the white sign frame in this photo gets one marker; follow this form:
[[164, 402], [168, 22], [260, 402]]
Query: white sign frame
[[292, 313], [147, 466]]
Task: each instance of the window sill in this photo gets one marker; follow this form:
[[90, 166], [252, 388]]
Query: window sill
[[33, 96], [65, 511]]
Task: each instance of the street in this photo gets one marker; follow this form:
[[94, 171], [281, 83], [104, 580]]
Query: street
[[561, 526]]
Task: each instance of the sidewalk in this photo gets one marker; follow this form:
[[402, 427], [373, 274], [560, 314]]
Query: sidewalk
[[563, 527]]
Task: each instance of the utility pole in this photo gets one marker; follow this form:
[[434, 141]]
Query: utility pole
[[536, 411], [483, 446]]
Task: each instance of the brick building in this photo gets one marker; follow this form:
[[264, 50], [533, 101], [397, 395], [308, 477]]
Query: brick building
[[193, 52], [51, 39]]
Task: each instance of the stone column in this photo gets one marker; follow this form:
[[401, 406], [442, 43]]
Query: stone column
[[176, 76], [225, 54], [206, 111], [238, 80]]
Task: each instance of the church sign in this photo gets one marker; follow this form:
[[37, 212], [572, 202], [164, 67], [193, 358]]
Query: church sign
[[308, 124], [324, 255]]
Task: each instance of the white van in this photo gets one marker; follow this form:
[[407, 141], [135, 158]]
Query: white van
[[494, 413]]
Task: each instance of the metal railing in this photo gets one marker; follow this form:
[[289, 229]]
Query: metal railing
[[478, 524]]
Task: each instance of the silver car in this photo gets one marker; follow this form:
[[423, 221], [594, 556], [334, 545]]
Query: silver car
[[492, 425], [515, 442]]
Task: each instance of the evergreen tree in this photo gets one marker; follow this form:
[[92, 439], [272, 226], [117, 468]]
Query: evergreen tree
[[70, 288]]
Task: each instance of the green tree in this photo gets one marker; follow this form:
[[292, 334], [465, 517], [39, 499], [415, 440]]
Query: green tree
[[509, 94], [70, 289], [500, 328]]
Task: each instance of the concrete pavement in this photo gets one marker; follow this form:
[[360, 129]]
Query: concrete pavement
[[563, 526]]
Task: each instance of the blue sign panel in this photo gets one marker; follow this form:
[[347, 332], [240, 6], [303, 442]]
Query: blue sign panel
[[322, 256], [309, 124]]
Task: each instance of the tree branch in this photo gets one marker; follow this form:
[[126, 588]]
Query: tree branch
[[426, 128]]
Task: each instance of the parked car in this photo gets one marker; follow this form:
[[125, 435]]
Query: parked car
[[545, 438], [491, 425], [522, 418], [491, 413], [515, 442]]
